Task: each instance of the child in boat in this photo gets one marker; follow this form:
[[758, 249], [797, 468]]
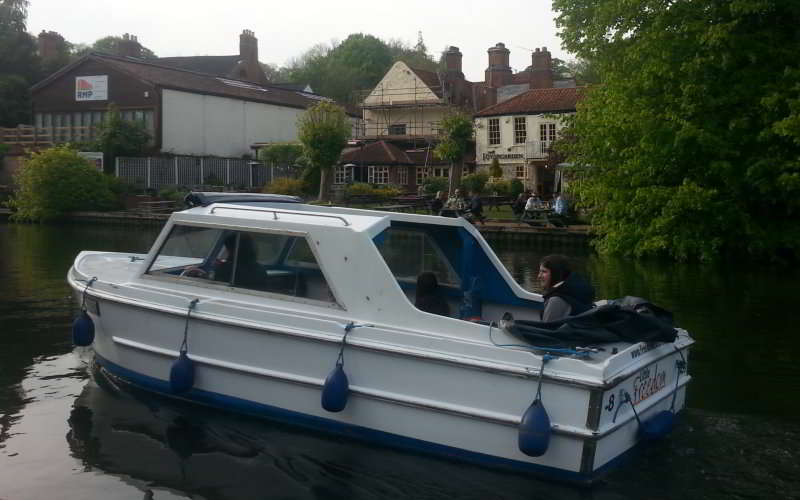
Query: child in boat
[[429, 298]]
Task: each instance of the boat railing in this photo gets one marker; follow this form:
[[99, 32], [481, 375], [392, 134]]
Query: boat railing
[[276, 212]]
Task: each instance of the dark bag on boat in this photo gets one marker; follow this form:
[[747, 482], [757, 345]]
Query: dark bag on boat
[[629, 319]]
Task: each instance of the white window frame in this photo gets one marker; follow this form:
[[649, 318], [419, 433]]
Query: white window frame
[[520, 130], [493, 131], [340, 174], [547, 135], [402, 176], [520, 169], [378, 175]]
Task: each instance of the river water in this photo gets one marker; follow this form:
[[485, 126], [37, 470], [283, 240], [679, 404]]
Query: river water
[[68, 432]]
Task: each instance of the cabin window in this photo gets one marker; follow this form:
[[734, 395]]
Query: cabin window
[[263, 262], [409, 252]]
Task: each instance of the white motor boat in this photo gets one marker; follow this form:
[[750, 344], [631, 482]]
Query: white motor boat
[[306, 314]]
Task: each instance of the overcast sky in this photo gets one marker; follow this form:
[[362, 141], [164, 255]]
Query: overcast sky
[[286, 29]]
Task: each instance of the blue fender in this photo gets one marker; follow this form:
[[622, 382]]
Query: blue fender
[[83, 330], [181, 375], [534, 430], [335, 390]]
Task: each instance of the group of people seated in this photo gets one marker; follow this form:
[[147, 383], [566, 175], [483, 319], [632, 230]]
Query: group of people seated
[[458, 206], [528, 201]]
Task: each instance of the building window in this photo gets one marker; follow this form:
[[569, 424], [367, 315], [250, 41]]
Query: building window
[[494, 131], [402, 176], [520, 132], [397, 129], [441, 172], [378, 175], [547, 135], [519, 171], [422, 174], [340, 175]]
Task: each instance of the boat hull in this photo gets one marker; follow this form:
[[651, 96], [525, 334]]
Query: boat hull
[[433, 406]]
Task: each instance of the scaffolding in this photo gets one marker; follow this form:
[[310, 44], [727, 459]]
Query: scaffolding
[[410, 114]]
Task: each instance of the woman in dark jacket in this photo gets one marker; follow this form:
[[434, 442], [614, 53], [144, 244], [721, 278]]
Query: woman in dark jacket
[[429, 298], [565, 293]]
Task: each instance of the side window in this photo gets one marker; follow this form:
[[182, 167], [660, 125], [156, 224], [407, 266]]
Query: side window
[[265, 262], [409, 253]]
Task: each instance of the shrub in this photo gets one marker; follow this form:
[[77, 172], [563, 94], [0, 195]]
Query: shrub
[[285, 185], [515, 187], [118, 137], [4, 148], [475, 183], [495, 170], [173, 193], [56, 181], [358, 188], [434, 184], [364, 189], [501, 187]]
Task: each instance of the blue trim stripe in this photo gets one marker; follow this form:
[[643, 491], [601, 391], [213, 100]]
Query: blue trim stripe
[[332, 426]]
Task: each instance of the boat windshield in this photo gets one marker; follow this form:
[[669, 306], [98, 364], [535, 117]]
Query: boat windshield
[[409, 252], [250, 260]]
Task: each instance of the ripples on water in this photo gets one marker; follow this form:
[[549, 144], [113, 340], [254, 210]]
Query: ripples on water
[[68, 431]]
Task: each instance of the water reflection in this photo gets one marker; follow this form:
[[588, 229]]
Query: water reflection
[[67, 433]]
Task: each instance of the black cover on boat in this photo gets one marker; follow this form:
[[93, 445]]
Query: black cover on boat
[[625, 320], [198, 199]]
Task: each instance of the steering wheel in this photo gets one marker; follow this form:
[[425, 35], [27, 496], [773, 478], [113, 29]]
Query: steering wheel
[[197, 271]]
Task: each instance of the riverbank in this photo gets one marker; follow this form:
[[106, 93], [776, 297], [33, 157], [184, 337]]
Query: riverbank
[[502, 230]]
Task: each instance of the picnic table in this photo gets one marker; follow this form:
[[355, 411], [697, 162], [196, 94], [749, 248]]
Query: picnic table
[[542, 217]]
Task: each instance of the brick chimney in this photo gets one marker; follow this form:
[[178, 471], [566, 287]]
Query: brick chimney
[[541, 69], [51, 46], [129, 46], [452, 61], [248, 68], [498, 73]]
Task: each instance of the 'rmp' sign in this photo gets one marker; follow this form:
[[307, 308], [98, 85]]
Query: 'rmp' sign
[[91, 88]]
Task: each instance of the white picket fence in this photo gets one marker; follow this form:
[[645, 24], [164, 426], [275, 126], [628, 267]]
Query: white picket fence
[[194, 171]]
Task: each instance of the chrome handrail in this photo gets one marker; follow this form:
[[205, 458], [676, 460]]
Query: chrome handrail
[[276, 212]]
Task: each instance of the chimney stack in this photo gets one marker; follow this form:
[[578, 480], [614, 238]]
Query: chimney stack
[[452, 61], [498, 73], [51, 46], [541, 69], [248, 47], [129, 46], [248, 68]]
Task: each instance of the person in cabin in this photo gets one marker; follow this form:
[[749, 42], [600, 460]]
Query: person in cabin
[[566, 293], [248, 273], [429, 296]]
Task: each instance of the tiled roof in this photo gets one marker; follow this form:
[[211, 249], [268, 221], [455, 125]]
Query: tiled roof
[[212, 65], [375, 153], [190, 81], [429, 78], [533, 101]]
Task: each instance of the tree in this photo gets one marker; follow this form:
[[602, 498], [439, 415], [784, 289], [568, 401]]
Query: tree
[[323, 130], [456, 133], [281, 154], [118, 137], [690, 146], [108, 45], [56, 181], [19, 64]]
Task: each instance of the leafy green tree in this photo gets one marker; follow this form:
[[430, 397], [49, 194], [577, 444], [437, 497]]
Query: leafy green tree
[[456, 134], [323, 130], [432, 185], [691, 144], [475, 183], [494, 169], [57, 181], [19, 64], [118, 137], [108, 45], [286, 154]]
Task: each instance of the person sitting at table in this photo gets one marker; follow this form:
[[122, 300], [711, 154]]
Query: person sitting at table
[[438, 203], [476, 206], [429, 297], [456, 202], [560, 206], [519, 204], [533, 203]]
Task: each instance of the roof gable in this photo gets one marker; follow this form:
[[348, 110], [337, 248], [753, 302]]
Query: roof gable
[[403, 84]]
